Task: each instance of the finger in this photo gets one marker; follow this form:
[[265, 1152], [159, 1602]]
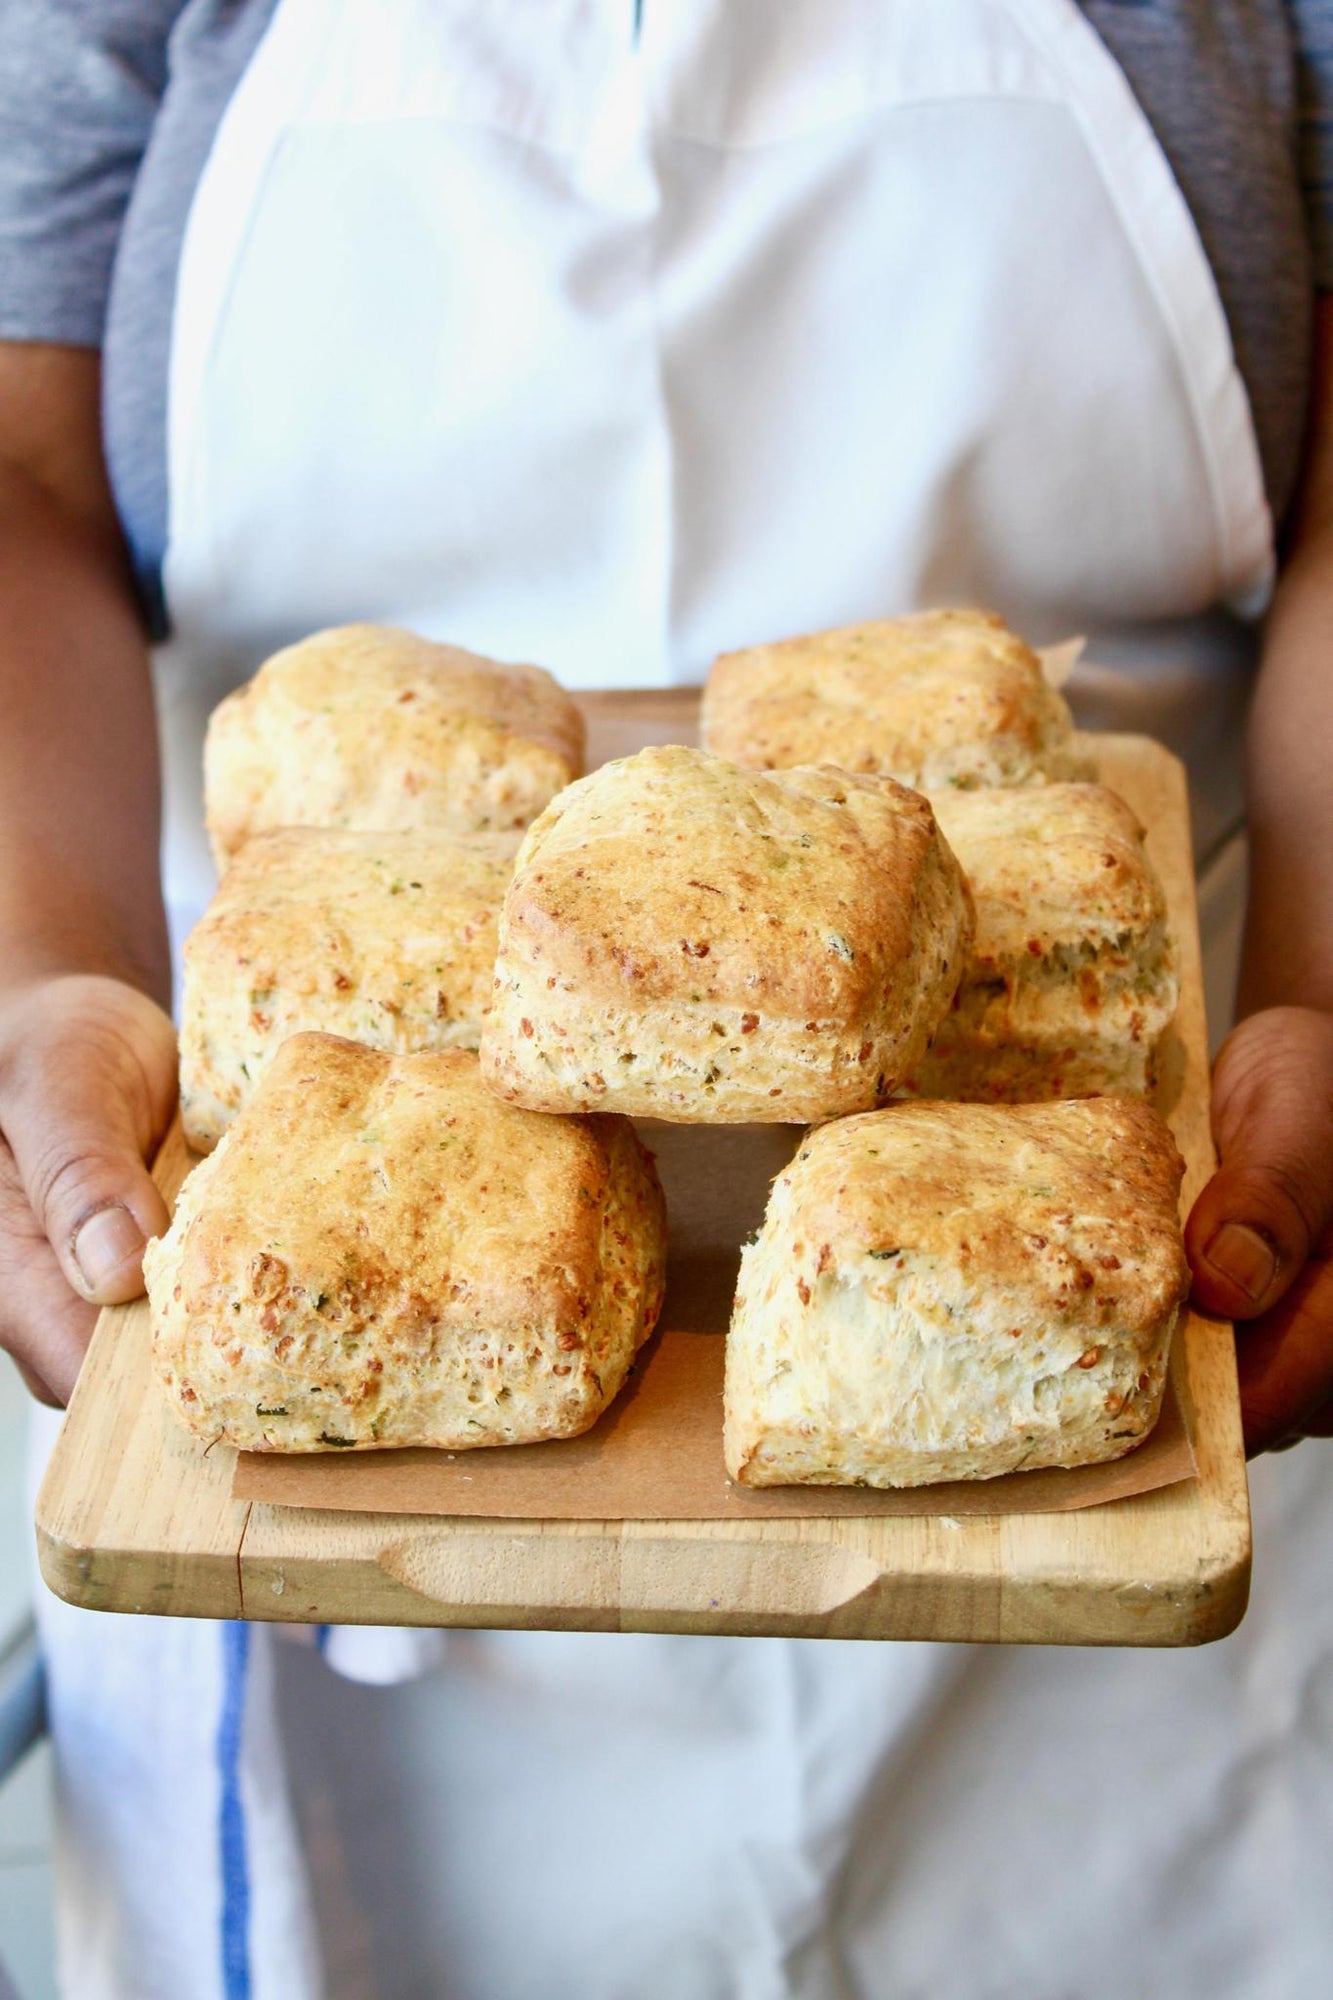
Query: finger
[[1285, 1362], [80, 1126], [40, 1391], [1269, 1203], [94, 1200], [42, 1324], [1319, 1424]]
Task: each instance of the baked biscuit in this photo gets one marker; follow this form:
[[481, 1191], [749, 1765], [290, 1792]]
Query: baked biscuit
[[684, 939], [381, 1253], [941, 698], [368, 726], [386, 938], [1072, 982], [951, 1291]]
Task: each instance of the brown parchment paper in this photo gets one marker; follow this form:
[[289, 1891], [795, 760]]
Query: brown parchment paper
[[656, 1455]]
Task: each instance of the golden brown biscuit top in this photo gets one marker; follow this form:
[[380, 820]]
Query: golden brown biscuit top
[[400, 1181], [1050, 865], [325, 909], [379, 668], [881, 694], [1074, 1203], [673, 870]]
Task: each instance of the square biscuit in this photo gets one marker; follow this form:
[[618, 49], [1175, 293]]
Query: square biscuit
[[1073, 980], [385, 938], [687, 940], [371, 727], [953, 1291], [937, 699], [381, 1253]]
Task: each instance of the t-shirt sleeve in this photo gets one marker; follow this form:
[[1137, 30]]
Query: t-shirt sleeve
[[1312, 22], [80, 83]]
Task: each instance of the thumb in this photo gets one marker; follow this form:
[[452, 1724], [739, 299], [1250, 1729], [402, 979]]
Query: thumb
[[1268, 1206], [82, 1110]]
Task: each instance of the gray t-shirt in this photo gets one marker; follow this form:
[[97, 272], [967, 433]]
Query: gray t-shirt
[[108, 109]]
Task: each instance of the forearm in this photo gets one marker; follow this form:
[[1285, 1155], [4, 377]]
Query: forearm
[[1288, 958], [87, 1063], [79, 786]]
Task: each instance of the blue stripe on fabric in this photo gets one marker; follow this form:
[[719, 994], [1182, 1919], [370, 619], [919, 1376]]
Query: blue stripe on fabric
[[232, 1855], [322, 1637]]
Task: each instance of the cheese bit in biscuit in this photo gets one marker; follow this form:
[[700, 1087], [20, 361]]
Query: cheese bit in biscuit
[[940, 698], [951, 1291], [381, 1253], [688, 940], [1072, 983], [372, 727], [386, 938]]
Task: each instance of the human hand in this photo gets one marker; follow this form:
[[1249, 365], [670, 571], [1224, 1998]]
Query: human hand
[[87, 1085], [1260, 1236]]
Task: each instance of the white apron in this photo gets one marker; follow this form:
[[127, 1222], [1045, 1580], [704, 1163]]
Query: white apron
[[613, 344]]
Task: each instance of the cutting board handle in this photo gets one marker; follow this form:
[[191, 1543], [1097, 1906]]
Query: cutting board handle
[[533, 1578]]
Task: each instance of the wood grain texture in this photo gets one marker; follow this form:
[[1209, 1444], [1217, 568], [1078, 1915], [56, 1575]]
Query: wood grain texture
[[134, 1515]]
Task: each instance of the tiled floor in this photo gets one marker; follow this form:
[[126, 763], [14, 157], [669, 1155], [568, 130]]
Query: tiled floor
[[26, 1944]]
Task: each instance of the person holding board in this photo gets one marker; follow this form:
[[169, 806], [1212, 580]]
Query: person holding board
[[616, 336]]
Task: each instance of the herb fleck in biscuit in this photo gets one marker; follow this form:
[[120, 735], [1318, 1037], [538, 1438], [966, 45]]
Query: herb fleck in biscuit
[[368, 726], [951, 1291], [386, 938], [941, 698], [684, 939], [379, 1252]]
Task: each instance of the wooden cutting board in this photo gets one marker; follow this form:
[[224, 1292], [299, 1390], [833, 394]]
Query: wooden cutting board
[[135, 1515]]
